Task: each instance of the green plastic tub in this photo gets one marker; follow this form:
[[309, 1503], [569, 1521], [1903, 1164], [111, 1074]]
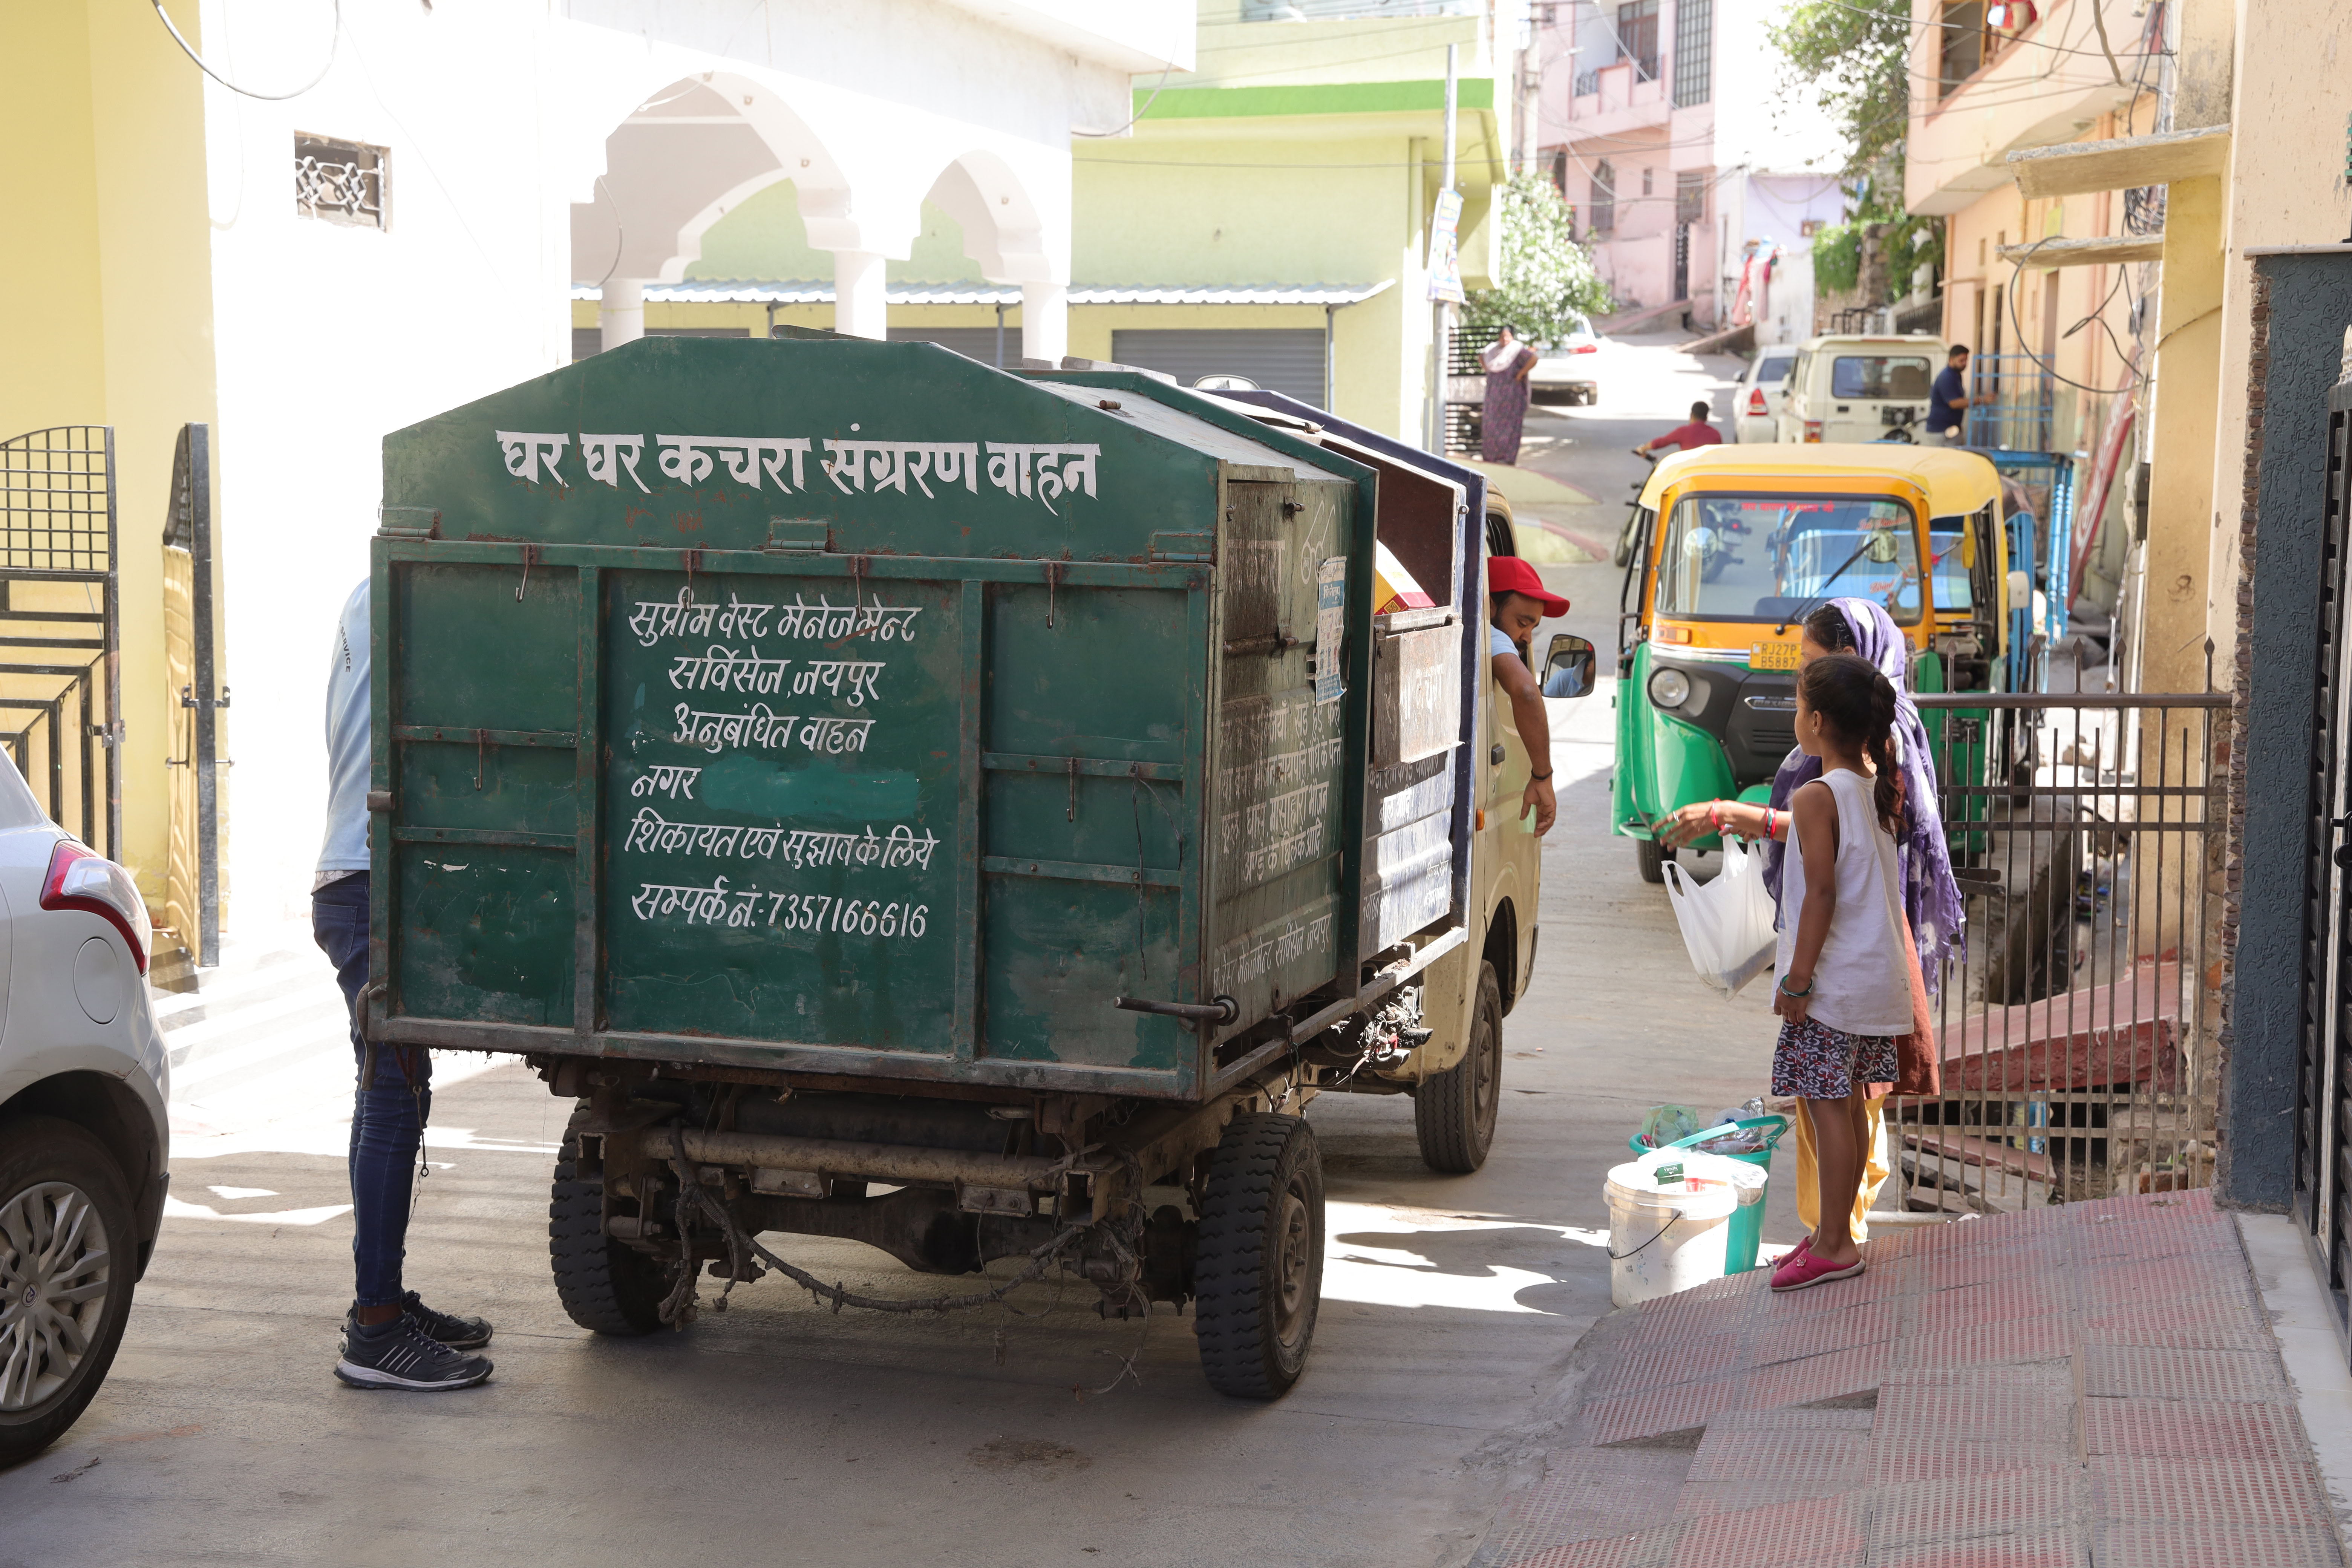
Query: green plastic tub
[[1747, 1232]]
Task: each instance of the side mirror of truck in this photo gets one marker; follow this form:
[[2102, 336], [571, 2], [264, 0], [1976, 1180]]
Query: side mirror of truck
[[1567, 667]]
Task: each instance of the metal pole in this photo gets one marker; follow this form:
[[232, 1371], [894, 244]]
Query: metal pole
[[200, 549], [1331, 356], [1438, 344], [1000, 337], [112, 607]]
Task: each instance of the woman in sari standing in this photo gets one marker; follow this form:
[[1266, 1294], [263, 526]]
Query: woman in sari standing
[[1509, 363], [1932, 906]]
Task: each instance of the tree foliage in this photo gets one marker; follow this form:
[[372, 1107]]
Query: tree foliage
[[1852, 58], [1543, 278]]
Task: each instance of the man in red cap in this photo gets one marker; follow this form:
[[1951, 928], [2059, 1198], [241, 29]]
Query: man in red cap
[[1517, 604]]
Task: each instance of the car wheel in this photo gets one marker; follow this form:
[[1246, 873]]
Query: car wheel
[[1453, 1111], [66, 1247], [1259, 1267], [606, 1286], [1652, 857]]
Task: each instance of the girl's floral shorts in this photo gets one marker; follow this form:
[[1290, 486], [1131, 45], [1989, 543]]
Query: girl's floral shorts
[[1813, 1061]]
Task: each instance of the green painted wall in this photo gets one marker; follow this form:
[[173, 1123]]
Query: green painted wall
[[764, 240]]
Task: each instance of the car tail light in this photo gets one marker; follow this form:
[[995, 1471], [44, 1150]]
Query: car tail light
[[80, 878], [1586, 349], [1812, 429], [1756, 401]]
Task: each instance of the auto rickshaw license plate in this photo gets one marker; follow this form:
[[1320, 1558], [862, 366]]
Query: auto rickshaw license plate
[[1772, 656]]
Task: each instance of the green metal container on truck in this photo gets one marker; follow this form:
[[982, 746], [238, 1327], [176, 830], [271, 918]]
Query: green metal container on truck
[[835, 762]]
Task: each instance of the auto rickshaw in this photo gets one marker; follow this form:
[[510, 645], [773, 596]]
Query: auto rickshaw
[[1738, 545]]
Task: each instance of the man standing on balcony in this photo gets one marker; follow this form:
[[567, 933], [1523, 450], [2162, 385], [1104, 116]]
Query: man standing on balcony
[[1948, 400]]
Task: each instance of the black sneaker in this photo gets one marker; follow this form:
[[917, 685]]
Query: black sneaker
[[460, 1333], [405, 1357]]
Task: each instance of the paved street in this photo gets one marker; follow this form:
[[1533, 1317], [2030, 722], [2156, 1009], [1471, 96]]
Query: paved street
[[780, 1431]]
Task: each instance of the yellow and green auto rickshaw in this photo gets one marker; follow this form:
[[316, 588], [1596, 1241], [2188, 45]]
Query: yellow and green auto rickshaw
[[1736, 545]]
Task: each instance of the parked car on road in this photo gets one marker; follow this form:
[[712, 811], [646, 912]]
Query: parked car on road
[[1567, 371], [1755, 403], [1859, 388], [83, 1133]]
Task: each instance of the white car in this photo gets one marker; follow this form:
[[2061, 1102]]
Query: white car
[[1567, 371], [1859, 388], [1754, 402], [83, 1132]]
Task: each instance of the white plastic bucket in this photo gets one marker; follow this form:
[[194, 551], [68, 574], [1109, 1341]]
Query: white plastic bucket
[[1668, 1237]]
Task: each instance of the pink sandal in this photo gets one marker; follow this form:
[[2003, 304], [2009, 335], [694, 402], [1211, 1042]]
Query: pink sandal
[[1802, 1269]]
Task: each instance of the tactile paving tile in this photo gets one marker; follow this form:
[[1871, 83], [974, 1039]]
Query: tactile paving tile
[[2157, 1428], [2179, 1277], [1818, 1334], [1934, 1459], [2146, 1372], [2209, 1323], [2278, 1490], [2049, 1337], [1587, 1494], [1993, 1404], [2027, 1549], [1752, 1458], [1664, 1364], [1855, 1370], [2158, 1544], [1615, 1552], [1816, 1532], [1995, 1300], [1652, 1412], [1960, 1507]]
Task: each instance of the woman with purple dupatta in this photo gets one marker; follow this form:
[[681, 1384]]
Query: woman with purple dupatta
[[1509, 363], [1932, 904]]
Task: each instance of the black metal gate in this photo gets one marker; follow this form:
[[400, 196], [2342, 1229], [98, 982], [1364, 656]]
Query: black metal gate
[[60, 658], [1682, 261], [2323, 1171], [192, 898]]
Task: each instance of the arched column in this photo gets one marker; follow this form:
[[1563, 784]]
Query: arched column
[[860, 297], [1044, 322], [621, 312]]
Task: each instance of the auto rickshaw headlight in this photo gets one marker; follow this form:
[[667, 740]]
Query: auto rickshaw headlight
[[1669, 687]]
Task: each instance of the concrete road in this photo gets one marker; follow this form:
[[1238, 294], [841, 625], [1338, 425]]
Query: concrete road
[[777, 1432]]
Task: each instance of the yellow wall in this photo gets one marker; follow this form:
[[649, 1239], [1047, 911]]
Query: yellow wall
[[106, 253]]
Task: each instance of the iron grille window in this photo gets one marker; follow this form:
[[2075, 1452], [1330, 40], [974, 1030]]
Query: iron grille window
[[1587, 83], [1693, 52], [1604, 198], [341, 182], [1637, 37], [1690, 197]]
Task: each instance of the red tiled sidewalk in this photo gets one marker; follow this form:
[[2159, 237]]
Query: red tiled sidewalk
[[2094, 1384]]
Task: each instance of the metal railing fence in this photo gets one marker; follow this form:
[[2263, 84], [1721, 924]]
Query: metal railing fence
[[2076, 1028]]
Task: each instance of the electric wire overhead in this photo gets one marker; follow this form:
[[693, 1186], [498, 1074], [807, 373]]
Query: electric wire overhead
[[333, 38]]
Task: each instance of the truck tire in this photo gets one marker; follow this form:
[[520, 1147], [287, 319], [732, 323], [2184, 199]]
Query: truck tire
[[1651, 856], [61, 1192], [1259, 1268], [1453, 1111], [606, 1286]]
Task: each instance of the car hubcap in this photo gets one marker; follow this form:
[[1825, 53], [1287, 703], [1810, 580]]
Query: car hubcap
[[53, 1276], [1292, 1246]]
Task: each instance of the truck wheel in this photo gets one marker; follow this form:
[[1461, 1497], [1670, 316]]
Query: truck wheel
[[1651, 856], [1453, 1111], [1259, 1269], [65, 1242], [606, 1285]]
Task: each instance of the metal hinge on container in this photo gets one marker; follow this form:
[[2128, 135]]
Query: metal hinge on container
[[798, 535], [408, 521]]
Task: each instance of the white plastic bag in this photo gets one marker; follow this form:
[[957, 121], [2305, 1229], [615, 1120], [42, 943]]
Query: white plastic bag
[[1728, 922]]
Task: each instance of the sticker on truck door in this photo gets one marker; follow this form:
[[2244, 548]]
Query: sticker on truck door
[[1331, 626]]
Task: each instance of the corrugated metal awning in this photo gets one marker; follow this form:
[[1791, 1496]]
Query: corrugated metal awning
[[719, 292]]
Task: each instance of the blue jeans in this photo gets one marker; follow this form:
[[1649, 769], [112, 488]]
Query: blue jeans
[[388, 1111]]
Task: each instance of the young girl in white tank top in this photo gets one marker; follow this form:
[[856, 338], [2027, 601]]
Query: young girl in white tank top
[[1844, 987]]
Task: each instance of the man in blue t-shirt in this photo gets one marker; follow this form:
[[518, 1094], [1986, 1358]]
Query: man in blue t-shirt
[[1949, 396], [390, 1338]]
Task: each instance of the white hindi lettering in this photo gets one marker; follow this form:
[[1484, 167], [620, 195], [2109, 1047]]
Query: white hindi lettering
[[829, 676], [651, 832], [1253, 957], [656, 619], [688, 458], [529, 452], [1061, 469], [719, 905], [888, 464], [761, 730], [719, 668], [665, 779], [825, 619], [606, 456]]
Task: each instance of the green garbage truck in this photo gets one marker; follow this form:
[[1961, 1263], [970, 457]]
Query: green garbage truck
[[963, 812]]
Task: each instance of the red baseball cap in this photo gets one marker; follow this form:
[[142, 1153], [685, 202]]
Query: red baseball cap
[[1510, 574]]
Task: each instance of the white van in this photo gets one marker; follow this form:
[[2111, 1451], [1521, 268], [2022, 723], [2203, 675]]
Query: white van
[[1860, 388]]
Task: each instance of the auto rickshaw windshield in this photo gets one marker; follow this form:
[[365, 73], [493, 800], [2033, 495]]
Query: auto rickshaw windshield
[[1771, 557], [1953, 591]]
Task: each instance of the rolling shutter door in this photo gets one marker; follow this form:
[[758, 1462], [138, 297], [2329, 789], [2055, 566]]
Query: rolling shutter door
[[1288, 359]]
